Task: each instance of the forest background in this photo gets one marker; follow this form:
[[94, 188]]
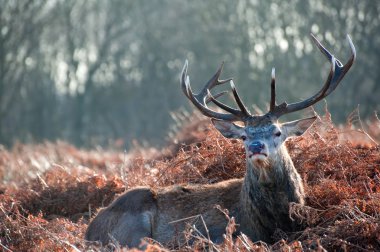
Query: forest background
[[105, 73]]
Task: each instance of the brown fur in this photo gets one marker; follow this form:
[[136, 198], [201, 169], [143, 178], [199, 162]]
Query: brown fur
[[260, 201], [104, 226], [168, 207]]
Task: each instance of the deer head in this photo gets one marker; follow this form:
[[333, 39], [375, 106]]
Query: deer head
[[263, 135]]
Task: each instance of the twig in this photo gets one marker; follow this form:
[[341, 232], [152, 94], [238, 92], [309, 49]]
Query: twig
[[4, 247]]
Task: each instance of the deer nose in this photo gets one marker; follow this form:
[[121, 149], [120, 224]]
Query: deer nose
[[256, 147]]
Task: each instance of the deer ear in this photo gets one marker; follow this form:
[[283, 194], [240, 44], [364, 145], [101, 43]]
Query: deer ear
[[228, 129], [298, 127]]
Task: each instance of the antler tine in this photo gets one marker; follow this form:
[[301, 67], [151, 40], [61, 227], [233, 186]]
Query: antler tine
[[214, 81], [241, 105], [349, 63], [209, 98], [341, 69], [337, 72], [273, 91], [224, 106], [184, 78], [200, 100]]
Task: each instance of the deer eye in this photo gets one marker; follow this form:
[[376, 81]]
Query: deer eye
[[278, 134], [243, 138]]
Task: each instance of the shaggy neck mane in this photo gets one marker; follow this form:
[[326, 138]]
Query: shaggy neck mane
[[266, 194]]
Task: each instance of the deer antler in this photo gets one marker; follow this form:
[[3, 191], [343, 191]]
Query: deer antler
[[337, 72], [201, 99]]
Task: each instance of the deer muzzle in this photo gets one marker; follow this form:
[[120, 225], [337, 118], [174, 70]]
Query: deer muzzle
[[256, 148]]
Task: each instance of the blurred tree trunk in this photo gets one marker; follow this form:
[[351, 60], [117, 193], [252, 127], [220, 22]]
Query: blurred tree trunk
[[21, 27]]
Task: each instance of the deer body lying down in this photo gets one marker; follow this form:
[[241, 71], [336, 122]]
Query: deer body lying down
[[158, 214], [259, 201]]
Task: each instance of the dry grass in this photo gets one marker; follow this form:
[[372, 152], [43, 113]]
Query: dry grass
[[49, 191]]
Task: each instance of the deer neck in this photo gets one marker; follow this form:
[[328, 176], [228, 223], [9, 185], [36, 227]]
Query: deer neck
[[266, 194], [278, 175]]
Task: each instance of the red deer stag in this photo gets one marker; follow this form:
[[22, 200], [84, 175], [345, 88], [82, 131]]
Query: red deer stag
[[259, 201]]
